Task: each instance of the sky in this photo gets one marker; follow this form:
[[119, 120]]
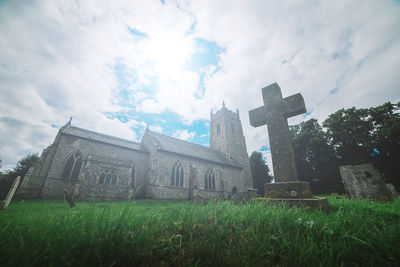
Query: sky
[[118, 66]]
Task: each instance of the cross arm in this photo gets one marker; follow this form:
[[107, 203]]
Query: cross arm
[[257, 117], [294, 105]]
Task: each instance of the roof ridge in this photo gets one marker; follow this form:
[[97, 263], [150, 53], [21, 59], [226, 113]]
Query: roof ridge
[[220, 157], [105, 135], [183, 140]]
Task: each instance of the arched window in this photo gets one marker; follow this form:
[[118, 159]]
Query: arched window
[[102, 176], [209, 180], [177, 174], [114, 180], [108, 177], [73, 166]]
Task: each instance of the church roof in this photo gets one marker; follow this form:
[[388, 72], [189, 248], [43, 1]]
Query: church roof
[[174, 145], [104, 138]]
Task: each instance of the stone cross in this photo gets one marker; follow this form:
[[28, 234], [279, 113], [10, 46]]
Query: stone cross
[[10, 193], [274, 114]]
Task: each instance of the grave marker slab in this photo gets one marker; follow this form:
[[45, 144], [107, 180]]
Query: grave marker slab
[[364, 181], [11, 193], [68, 198]]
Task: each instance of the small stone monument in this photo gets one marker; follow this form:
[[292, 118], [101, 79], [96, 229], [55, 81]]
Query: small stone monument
[[392, 190], [364, 181], [274, 113], [10, 193], [68, 198]]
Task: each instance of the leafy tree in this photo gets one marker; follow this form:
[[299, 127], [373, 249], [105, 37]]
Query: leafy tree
[[349, 133], [315, 159], [22, 167], [260, 171], [386, 140], [24, 164]]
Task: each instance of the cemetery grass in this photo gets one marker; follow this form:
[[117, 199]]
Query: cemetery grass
[[151, 232]]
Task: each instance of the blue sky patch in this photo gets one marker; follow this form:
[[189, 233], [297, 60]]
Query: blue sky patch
[[137, 33], [169, 121], [208, 53]]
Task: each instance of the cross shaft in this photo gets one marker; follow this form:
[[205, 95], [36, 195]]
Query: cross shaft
[[274, 113]]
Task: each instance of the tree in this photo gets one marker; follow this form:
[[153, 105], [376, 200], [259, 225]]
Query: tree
[[22, 167], [315, 159], [24, 164], [259, 171], [385, 143], [349, 133]]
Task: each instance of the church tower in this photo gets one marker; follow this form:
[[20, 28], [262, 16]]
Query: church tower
[[226, 136]]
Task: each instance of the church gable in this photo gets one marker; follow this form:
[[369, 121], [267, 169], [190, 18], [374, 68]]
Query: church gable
[[95, 166]]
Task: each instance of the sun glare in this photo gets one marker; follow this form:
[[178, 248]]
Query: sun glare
[[168, 52]]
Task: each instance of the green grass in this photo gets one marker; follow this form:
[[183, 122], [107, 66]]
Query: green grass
[[146, 232]]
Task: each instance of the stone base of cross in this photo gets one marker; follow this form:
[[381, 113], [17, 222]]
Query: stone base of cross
[[274, 113]]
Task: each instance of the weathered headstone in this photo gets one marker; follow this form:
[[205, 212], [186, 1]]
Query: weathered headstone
[[393, 190], [274, 113], [68, 198], [364, 181], [10, 193]]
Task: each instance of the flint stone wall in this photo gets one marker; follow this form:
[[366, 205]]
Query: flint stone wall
[[159, 185]]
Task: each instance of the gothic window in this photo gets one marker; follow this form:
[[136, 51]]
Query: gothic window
[[177, 174], [209, 180], [233, 128], [102, 176], [108, 178], [218, 129], [73, 166]]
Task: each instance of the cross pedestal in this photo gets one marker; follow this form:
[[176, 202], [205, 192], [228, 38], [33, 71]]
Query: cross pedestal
[[274, 113]]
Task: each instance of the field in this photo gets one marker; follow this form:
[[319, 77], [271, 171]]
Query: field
[[152, 233]]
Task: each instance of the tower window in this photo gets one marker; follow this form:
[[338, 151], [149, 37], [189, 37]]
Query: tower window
[[233, 128], [218, 129]]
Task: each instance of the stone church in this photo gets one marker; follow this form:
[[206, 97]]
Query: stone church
[[92, 165]]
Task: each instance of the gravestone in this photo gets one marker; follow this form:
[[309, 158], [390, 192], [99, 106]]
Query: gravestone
[[68, 198], [274, 113], [364, 181], [393, 190], [10, 193]]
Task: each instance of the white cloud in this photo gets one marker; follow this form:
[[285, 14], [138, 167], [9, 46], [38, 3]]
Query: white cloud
[[184, 135], [156, 128]]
